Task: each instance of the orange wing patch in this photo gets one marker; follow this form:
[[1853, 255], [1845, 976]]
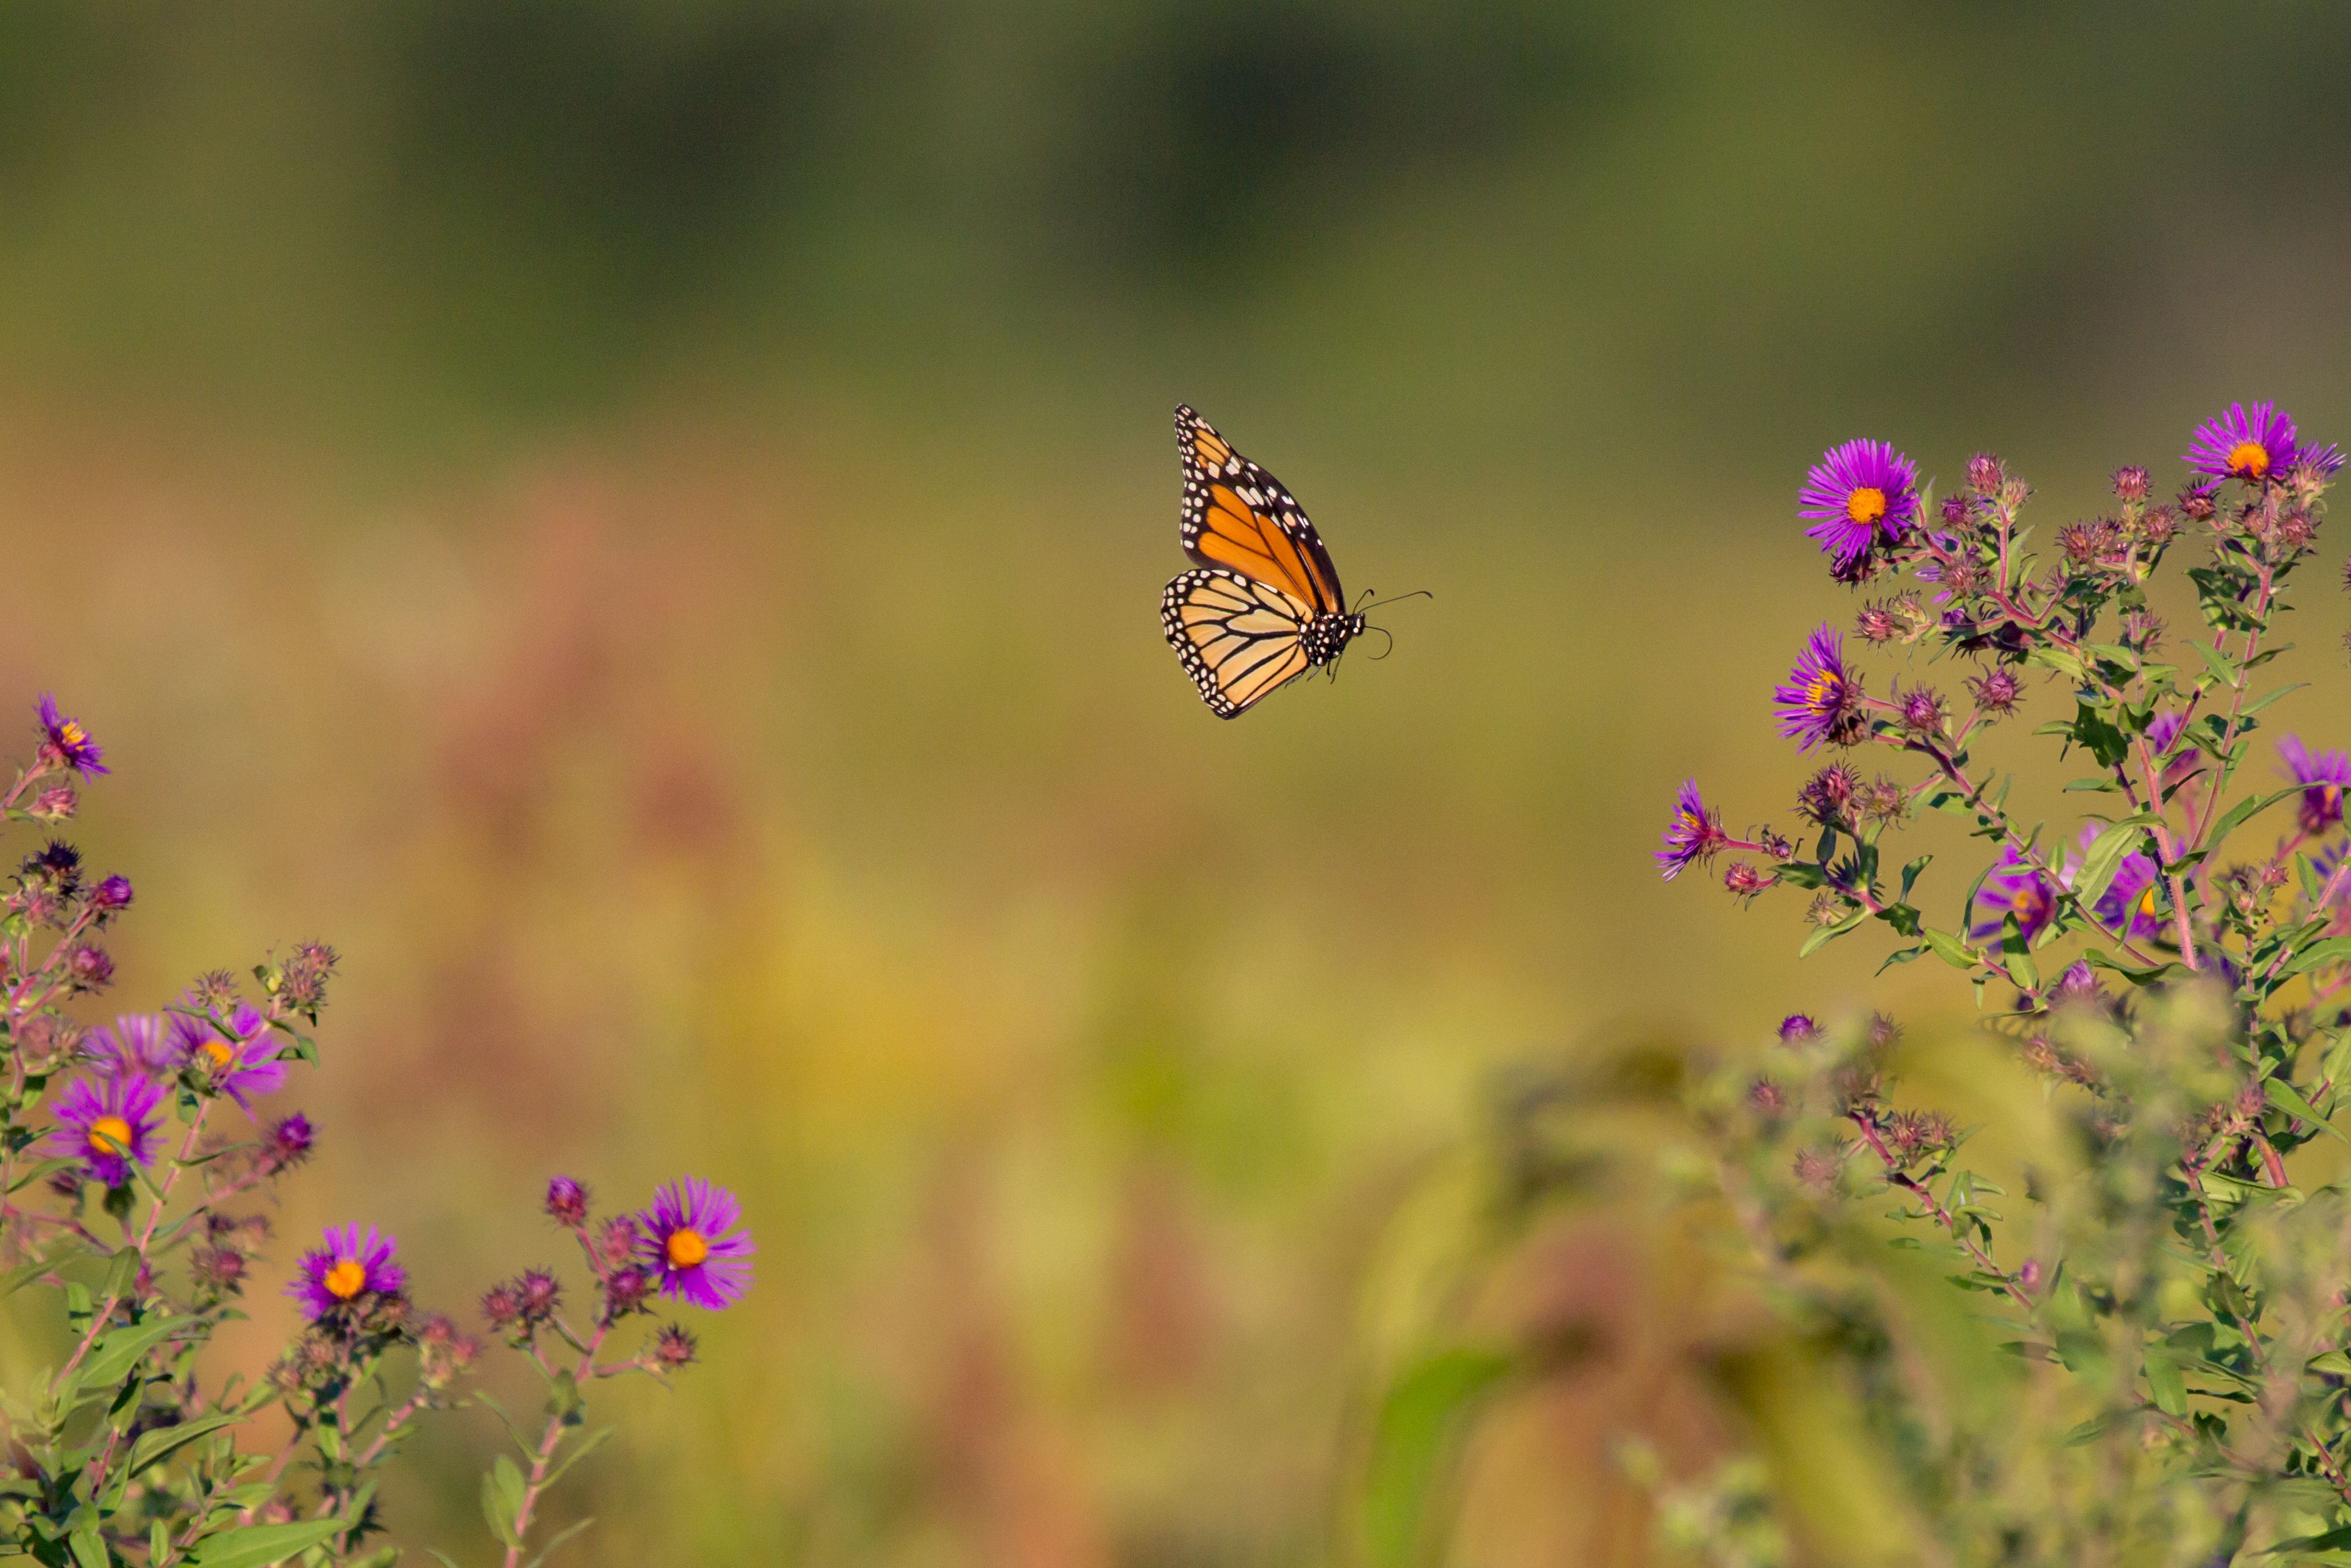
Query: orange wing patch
[[1235, 534], [1211, 449]]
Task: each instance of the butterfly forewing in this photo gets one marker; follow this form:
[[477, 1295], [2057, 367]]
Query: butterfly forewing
[[1238, 517], [1239, 637]]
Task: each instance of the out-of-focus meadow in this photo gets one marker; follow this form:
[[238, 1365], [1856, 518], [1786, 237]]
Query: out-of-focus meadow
[[642, 523]]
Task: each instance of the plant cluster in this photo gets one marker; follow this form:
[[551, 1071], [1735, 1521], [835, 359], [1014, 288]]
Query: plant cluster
[[2125, 1339], [138, 1168]]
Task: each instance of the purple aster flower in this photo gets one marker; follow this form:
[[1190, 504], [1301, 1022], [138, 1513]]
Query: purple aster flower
[[65, 741], [1819, 701], [1798, 1028], [1694, 833], [2015, 887], [240, 1063], [686, 1243], [2249, 446], [1859, 495], [348, 1267], [137, 1043], [2322, 778], [107, 1123]]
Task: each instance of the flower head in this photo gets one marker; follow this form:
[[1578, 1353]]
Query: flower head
[[2251, 447], [2015, 886], [289, 1141], [137, 1043], [1859, 495], [109, 1123], [1819, 701], [1798, 1028], [1694, 833], [65, 742], [2322, 777], [239, 1063], [349, 1268], [688, 1244], [567, 1202]]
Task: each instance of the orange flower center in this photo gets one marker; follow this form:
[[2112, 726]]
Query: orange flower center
[[71, 733], [346, 1279], [1866, 505], [685, 1248], [222, 1055], [2249, 458], [110, 1136], [2147, 902]]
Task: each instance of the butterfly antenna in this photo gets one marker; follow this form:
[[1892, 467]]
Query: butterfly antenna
[[1371, 603], [1389, 647]]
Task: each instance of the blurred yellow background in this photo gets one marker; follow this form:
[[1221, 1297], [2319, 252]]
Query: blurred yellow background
[[642, 523]]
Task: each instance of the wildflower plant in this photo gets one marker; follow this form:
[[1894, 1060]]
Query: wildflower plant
[[2142, 1354], [138, 1165]]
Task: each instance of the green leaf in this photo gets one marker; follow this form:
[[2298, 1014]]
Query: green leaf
[[1910, 872], [565, 1533], [2224, 667], [1414, 1438], [257, 1545], [1950, 949], [88, 1546], [116, 1353], [2287, 1097], [2333, 950], [2105, 857], [1828, 934], [2266, 698], [23, 1274], [46, 1169], [2238, 815], [153, 1447], [502, 1491], [2164, 1380], [120, 1350], [563, 1401], [585, 1446]]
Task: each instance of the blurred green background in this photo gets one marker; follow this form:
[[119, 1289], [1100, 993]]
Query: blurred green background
[[642, 522]]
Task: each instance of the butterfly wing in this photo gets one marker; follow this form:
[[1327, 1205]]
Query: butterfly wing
[[1238, 517], [1237, 637]]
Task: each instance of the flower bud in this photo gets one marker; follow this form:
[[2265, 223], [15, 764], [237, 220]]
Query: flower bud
[[673, 1348], [567, 1203]]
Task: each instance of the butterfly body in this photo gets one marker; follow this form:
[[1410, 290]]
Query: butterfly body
[[1264, 606]]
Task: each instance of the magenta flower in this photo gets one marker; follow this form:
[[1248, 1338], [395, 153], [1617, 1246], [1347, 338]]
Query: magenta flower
[[137, 1043], [1693, 834], [1859, 495], [348, 1267], [2015, 887], [240, 1063], [1819, 701], [687, 1244], [2322, 778], [2255, 447], [64, 741], [109, 1123]]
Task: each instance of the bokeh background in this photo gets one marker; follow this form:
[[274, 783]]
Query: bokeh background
[[642, 521]]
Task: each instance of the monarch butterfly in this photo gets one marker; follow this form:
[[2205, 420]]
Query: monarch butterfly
[[1265, 606]]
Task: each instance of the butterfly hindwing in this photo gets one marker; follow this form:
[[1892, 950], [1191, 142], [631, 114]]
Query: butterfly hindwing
[[1239, 518], [1237, 637]]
